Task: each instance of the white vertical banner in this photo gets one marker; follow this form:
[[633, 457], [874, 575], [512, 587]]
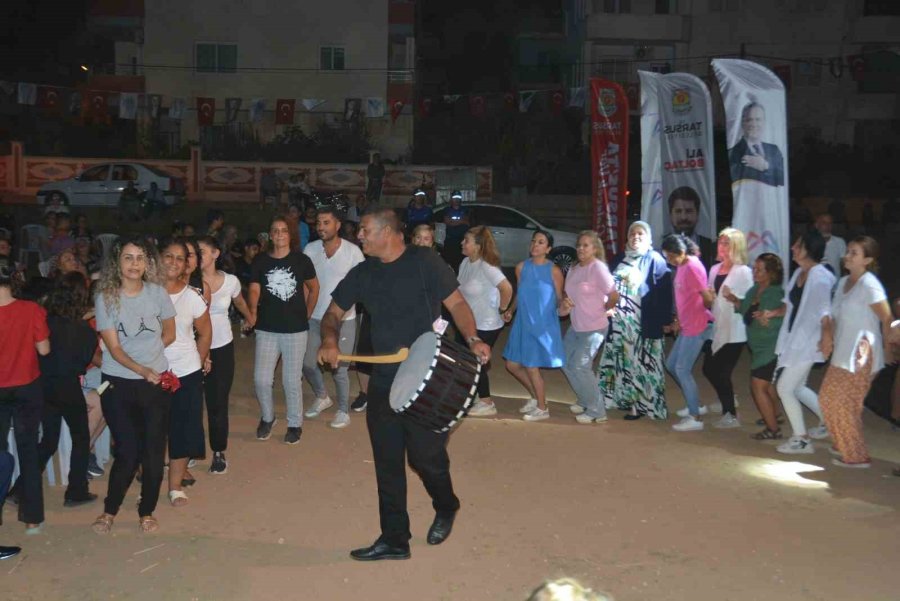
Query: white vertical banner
[[651, 179], [756, 129], [686, 157]]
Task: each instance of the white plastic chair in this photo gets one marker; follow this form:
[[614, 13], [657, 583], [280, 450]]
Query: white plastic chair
[[30, 242], [106, 242], [44, 268]]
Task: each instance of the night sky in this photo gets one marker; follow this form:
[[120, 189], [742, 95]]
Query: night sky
[[38, 39]]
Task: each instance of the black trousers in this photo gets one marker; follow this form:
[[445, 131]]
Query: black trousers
[[717, 367], [7, 465], [137, 413], [22, 405], [217, 388], [489, 337], [64, 400], [393, 438]]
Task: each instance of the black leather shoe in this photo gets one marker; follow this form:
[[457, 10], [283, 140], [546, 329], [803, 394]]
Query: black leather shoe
[[440, 529], [380, 550], [7, 552], [80, 500]]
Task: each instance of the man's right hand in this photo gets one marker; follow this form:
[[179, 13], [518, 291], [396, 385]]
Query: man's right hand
[[328, 354]]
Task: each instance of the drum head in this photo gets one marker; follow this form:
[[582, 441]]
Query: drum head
[[413, 372]]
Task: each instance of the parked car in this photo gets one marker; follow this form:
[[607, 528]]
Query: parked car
[[101, 185], [512, 229]]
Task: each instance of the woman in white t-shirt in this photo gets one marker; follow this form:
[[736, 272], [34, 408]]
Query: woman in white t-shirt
[[224, 289], [488, 293], [856, 336], [188, 359]]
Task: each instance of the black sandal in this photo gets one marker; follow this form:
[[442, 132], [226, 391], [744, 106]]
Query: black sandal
[[779, 419], [767, 434], [633, 416]]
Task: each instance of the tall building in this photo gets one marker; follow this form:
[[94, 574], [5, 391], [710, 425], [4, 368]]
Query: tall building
[[339, 53], [838, 58]]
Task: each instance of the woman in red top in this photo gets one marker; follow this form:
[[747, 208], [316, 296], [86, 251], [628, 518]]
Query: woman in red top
[[24, 327]]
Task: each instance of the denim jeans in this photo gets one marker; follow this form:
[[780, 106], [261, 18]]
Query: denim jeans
[[313, 372], [291, 348], [580, 349], [680, 365]]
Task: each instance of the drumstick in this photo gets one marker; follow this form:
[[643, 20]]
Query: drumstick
[[397, 357]]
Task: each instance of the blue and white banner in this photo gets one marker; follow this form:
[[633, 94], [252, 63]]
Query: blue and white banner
[[678, 175], [756, 129]]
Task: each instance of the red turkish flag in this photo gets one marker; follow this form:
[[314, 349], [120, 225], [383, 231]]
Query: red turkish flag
[[857, 63], [557, 99], [284, 111], [97, 105], [48, 98], [396, 108], [206, 111], [425, 107], [510, 101], [476, 106]]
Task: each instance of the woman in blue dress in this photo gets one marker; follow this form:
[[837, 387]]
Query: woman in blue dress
[[535, 339]]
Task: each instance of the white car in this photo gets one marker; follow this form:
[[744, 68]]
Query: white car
[[512, 229], [101, 185]]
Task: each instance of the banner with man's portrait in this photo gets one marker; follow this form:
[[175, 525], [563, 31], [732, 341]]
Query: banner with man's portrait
[[756, 130]]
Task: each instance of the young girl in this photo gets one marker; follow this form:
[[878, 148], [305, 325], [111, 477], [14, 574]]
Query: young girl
[[692, 325], [225, 289], [535, 340]]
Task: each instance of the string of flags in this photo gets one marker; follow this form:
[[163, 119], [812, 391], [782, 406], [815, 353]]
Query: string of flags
[[97, 104]]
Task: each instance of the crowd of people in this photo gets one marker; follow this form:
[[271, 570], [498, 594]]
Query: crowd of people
[[138, 336]]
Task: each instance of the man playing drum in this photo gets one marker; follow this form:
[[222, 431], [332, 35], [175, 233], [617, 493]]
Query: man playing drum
[[402, 287]]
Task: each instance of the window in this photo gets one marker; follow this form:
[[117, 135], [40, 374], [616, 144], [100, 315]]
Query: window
[[331, 58], [874, 8], [95, 174], [124, 173], [215, 58], [617, 6], [665, 7]]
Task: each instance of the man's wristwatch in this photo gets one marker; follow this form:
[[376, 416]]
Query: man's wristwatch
[[472, 339]]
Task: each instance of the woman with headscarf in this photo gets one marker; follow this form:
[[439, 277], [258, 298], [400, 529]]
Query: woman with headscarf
[[631, 367]]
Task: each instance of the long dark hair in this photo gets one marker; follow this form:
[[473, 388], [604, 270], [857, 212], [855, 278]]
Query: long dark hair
[[679, 244], [195, 278], [69, 297]]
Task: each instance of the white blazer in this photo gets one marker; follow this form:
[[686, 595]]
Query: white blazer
[[729, 325], [801, 344]]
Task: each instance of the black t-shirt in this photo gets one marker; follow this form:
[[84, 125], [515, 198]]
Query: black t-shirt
[[796, 295], [403, 298], [282, 306]]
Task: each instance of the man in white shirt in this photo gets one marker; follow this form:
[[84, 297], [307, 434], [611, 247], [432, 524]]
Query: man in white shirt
[[332, 257], [835, 246]]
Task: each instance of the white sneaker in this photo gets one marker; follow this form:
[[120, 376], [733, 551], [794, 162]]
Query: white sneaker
[[688, 424], [482, 409], [529, 406], [584, 418], [796, 446], [685, 412], [341, 420], [576, 409], [536, 415], [820, 432], [859, 466], [727, 421], [319, 406]]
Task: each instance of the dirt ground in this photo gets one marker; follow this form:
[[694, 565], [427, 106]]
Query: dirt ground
[[632, 509]]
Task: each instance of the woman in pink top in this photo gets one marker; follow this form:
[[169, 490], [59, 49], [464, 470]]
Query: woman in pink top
[[590, 292], [692, 325]]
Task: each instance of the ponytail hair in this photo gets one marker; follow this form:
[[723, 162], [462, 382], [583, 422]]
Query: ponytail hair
[[679, 244]]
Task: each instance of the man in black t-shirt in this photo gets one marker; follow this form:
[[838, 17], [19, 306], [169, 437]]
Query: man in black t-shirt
[[402, 288], [280, 314]]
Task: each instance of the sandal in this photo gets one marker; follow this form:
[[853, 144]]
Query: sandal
[[630, 417], [177, 498], [779, 419], [767, 434], [148, 524], [103, 524]]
